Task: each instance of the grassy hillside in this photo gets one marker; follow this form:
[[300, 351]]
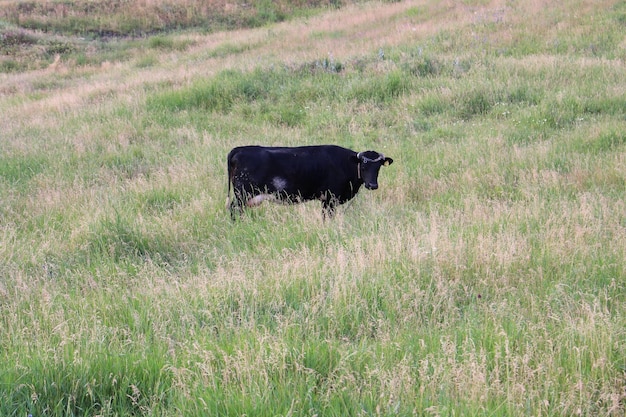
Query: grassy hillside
[[486, 276], [33, 34]]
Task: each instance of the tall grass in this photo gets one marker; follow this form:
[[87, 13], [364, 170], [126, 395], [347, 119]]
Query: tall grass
[[112, 18], [485, 277], [37, 34]]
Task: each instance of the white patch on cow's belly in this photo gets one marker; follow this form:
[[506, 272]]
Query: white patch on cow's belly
[[256, 200], [279, 183]]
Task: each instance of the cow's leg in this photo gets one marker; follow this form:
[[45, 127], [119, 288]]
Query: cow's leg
[[237, 204], [328, 208]]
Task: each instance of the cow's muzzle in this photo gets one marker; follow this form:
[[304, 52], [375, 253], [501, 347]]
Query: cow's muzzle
[[371, 185]]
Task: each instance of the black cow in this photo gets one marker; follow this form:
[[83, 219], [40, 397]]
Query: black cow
[[328, 173]]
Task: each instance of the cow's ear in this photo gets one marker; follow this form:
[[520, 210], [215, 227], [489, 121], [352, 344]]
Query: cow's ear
[[356, 158], [388, 161]]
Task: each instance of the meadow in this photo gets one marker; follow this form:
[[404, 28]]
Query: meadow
[[485, 277]]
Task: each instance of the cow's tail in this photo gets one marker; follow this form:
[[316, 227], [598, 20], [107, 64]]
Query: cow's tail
[[229, 163]]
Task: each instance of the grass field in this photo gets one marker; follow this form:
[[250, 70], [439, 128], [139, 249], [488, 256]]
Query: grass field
[[486, 276]]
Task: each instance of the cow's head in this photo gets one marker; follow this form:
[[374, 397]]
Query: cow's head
[[369, 163]]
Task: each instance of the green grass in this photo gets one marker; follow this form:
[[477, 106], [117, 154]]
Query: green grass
[[485, 277]]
